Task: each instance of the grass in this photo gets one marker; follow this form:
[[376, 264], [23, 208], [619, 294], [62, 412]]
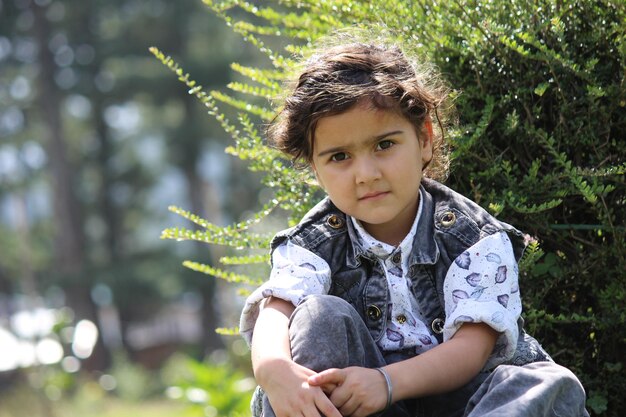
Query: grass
[[110, 407], [115, 407], [127, 390], [90, 401]]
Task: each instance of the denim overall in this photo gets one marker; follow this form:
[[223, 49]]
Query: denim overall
[[449, 224]]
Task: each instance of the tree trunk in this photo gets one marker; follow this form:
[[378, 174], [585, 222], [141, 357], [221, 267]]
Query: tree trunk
[[68, 239]]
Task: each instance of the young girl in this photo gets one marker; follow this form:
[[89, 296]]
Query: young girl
[[394, 294]]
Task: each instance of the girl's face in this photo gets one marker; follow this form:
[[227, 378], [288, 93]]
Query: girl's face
[[370, 162]]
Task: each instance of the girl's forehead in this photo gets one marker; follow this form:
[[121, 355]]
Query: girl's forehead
[[358, 123], [365, 113], [367, 118]]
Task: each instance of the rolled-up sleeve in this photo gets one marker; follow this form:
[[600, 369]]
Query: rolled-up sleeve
[[296, 273], [482, 286]]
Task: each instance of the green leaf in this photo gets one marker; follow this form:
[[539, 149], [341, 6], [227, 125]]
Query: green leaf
[[597, 402], [541, 89]]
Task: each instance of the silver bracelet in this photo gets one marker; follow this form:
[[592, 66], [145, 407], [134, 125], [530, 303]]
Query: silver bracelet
[[389, 388]]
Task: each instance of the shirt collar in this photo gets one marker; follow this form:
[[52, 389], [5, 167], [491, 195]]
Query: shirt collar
[[372, 246]]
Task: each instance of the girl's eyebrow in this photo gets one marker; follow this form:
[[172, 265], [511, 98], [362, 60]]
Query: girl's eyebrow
[[371, 141]]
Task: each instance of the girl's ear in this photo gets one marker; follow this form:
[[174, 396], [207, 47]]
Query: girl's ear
[[427, 140]]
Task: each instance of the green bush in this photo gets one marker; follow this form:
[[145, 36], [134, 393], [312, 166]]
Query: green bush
[[209, 388], [541, 102]]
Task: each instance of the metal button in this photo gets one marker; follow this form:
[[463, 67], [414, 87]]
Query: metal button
[[373, 312], [397, 257], [437, 325], [448, 219], [401, 318], [335, 221]]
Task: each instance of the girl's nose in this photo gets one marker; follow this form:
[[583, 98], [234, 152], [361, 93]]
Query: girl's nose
[[366, 171]]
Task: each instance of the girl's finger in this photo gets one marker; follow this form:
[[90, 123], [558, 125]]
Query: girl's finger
[[340, 397], [327, 377], [349, 408], [326, 407], [328, 388]]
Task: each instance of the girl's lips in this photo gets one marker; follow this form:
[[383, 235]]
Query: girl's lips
[[373, 195]]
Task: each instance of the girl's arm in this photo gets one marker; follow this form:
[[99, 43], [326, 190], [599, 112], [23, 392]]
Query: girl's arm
[[283, 380], [444, 368]]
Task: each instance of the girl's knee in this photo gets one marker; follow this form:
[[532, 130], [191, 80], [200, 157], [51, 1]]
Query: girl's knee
[[555, 374], [539, 388], [556, 386], [323, 309], [327, 332], [568, 394]]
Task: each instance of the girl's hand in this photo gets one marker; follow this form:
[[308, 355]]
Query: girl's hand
[[354, 391], [290, 394]]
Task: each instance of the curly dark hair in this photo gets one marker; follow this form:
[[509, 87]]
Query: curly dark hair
[[338, 78]]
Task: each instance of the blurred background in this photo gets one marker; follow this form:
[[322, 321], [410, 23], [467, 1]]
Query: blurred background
[[97, 138]]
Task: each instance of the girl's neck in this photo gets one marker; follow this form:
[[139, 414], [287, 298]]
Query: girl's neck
[[385, 235], [393, 233]]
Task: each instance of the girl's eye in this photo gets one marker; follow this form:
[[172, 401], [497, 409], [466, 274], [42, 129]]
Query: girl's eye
[[339, 156], [384, 144]]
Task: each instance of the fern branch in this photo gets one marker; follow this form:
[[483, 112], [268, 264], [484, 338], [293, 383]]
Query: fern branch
[[531, 255], [252, 90], [534, 208], [462, 145], [233, 239], [262, 76], [197, 91], [245, 260], [227, 331], [243, 105], [603, 172], [220, 273], [237, 227]]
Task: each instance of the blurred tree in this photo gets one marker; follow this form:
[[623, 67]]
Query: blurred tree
[[89, 121], [69, 239]]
